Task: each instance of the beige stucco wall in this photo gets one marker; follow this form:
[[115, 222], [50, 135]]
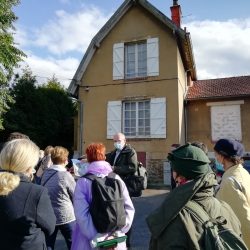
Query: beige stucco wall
[[182, 91], [199, 121], [135, 25]]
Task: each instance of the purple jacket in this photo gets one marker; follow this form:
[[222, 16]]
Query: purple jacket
[[84, 230]]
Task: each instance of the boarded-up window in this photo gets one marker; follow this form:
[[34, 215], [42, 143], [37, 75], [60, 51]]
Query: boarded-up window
[[226, 122]]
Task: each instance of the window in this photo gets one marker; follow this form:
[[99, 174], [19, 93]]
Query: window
[[136, 118], [135, 60], [138, 59], [226, 120]]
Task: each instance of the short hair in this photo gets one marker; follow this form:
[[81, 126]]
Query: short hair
[[119, 136], [59, 155], [95, 152], [17, 135], [48, 150], [17, 156]]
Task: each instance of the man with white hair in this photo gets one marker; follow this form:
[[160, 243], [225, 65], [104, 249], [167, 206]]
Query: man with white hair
[[123, 158], [124, 162]]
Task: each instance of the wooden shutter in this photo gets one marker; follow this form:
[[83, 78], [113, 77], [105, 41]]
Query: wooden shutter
[[114, 116], [153, 57], [158, 118], [118, 61]]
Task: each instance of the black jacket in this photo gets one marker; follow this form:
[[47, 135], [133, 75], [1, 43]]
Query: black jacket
[[26, 216], [126, 162]]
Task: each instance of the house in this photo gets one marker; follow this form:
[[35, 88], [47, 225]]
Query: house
[[134, 78], [219, 108], [138, 76]]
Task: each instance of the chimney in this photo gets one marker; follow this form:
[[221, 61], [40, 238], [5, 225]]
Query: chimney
[[176, 13]]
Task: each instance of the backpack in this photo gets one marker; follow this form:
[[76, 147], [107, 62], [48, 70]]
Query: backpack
[[107, 206], [216, 235]]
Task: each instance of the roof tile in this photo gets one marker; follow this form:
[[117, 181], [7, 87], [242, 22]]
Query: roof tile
[[220, 88]]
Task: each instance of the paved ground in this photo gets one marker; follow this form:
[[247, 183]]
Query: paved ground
[[149, 201]]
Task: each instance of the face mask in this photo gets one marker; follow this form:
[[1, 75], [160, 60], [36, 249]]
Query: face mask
[[118, 145], [219, 166]]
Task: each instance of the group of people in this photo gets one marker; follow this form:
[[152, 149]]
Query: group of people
[[173, 226], [32, 214]]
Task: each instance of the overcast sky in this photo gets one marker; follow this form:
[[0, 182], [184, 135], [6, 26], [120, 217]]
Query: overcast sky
[[54, 34]]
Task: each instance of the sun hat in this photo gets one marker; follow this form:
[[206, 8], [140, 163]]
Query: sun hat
[[229, 148], [189, 161]]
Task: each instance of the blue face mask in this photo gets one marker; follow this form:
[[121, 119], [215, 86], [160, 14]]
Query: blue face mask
[[118, 145], [219, 166]]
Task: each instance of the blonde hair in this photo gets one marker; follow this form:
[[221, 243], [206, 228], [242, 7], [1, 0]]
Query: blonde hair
[[17, 156], [59, 155], [48, 150]]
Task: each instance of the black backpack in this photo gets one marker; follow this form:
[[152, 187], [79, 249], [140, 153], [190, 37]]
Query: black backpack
[[216, 235], [107, 206]]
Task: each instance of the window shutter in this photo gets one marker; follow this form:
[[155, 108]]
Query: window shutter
[[118, 61], [158, 118], [114, 116], [153, 57]]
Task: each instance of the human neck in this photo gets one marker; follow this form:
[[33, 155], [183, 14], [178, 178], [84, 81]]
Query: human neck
[[228, 164]]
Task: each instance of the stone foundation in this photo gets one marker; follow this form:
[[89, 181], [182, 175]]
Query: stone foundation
[[155, 171]]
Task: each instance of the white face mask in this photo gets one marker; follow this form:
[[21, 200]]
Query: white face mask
[[118, 145]]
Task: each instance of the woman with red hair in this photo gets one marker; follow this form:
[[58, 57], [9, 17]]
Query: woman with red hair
[[85, 231]]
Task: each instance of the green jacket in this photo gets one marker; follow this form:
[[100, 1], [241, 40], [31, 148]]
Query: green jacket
[[126, 162], [171, 225]]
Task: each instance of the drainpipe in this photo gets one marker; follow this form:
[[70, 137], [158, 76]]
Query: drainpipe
[[185, 120], [81, 126], [80, 114]]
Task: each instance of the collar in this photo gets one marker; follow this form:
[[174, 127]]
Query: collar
[[59, 168]]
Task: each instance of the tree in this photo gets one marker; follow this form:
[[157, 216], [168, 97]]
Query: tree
[[43, 112], [10, 56]]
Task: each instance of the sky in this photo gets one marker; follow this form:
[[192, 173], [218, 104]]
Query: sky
[[54, 34]]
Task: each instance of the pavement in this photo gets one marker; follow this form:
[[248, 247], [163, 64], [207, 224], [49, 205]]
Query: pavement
[[149, 201]]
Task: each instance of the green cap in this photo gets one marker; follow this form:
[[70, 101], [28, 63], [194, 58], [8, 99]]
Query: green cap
[[189, 161]]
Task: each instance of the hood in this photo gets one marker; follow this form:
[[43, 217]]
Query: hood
[[99, 168], [176, 200]]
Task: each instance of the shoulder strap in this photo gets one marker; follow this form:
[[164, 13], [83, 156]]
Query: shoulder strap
[[198, 211], [49, 178], [92, 177], [112, 175]]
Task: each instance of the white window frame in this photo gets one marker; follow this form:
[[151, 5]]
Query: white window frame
[[152, 49], [136, 119], [136, 61], [115, 118]]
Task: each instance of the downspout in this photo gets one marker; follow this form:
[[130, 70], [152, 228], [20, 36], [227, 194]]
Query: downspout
[[185, 119], [81, 127]]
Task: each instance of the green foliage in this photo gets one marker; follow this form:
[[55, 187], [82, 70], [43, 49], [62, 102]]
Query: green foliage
[[9, 54], [5, 98], [45, 112]]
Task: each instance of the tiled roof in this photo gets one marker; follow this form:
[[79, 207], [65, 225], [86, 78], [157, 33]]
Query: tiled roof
[[220, 88]]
